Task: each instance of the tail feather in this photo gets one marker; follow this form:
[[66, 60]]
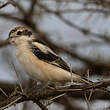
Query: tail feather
[[77, 78]]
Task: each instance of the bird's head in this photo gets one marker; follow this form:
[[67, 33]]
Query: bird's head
[[20, 35]]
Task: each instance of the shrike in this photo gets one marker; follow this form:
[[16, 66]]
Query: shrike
[[38, 60]]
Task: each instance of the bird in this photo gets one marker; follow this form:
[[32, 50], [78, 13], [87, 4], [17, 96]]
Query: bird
[[38, 60]]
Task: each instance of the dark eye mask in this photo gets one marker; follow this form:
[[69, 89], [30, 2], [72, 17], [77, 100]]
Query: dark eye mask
[[24, 32]]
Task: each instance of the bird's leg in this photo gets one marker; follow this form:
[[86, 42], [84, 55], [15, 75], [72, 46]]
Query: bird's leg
[[49, 85], [42, 87]]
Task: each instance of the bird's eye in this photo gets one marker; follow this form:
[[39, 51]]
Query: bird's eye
[[28, 33], [19, 32]]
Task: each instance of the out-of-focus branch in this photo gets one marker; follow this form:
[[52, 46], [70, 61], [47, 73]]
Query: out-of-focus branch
[[92, 10], [20, 8], [4, 43], [71, 24], [32, 7], [102, 3], [10, 17], [8, 3]]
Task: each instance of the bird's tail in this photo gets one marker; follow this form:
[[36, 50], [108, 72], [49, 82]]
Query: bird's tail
[[86, 81], [77, 78]]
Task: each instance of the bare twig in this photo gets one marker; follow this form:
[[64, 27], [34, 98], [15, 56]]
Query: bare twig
[[3, 92], [19, 80], [87, 101]]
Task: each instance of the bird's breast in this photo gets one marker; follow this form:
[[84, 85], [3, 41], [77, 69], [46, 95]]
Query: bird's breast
[[27, 61]]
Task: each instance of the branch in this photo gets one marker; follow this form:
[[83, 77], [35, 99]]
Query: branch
[[35, 96]]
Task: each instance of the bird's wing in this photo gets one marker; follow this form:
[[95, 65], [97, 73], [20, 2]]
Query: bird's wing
[[41, 51]]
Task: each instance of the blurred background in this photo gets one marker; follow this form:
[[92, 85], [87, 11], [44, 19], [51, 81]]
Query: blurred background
[[78, 30]]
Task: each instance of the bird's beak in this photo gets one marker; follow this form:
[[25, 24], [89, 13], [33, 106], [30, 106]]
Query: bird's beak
[[9, 40]]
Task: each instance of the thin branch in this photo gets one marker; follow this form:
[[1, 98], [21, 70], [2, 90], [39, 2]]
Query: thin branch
[[8, 3], [17, 75]]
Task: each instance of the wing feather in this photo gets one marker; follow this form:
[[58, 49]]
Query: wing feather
[[44, 53]]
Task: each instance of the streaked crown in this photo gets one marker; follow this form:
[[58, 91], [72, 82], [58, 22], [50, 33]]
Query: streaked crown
[[19, 31]]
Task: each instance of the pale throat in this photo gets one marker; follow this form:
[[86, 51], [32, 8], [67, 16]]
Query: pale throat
[[22, 48]]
